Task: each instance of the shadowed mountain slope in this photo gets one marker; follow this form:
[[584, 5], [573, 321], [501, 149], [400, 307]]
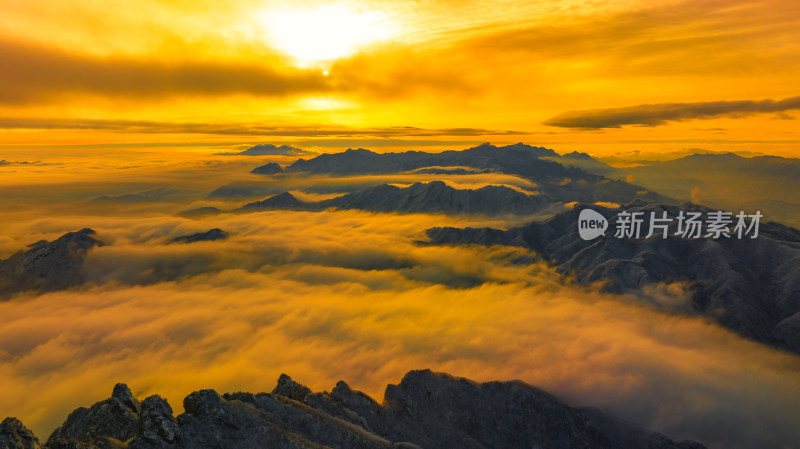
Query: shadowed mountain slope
[[48, 265], [751, 286]]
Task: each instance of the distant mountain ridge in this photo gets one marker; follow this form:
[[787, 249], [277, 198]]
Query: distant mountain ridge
[[767, 183], [435, 196], [426, 410], [270, 168], [157, 194], [559, 182], [751, 286], [268, 149]]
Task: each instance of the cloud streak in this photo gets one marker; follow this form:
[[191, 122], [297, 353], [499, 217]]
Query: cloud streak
[[660, 114]]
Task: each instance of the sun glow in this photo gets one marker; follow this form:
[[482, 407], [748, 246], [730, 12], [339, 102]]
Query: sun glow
[[326, 33]]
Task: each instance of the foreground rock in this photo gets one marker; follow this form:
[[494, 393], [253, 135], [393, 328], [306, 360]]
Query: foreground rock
[[14, 435], [751, 286], [426, 410], [48, 266]]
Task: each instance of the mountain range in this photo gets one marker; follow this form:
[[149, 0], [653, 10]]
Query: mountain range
[[557, 181], [426, 410], [751, 286], [435, 196]]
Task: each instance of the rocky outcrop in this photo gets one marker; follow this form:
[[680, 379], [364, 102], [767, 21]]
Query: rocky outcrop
[[425, 410], [14, 435], [157, 425], [48, 266], [116, 417], [751, 286], [287, 387]]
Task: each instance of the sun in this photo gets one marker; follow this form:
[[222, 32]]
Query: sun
[[326, 33]]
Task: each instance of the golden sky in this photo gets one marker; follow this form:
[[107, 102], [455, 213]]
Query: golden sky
[[594, 76]]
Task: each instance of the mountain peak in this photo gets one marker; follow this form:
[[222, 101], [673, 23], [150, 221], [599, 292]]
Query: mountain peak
[[283, 200], [123, 393], [48, 266], [14, 435], [287, 387], [270, 168], [577, 156]]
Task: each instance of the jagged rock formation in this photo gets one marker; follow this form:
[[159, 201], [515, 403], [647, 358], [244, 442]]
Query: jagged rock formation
[[426, 410], [208, 236], [751, 286], [48, 266], [14, 435], [435, 196], [117, 417], [538, 164], [267, 169]]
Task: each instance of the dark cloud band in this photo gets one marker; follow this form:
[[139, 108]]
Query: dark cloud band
[[659, 114], [32, 72], [246, 129]]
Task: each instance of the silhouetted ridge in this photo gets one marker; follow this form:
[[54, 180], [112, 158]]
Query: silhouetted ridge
[[435, 196], [426, 410], [207, 236], [538, 164]]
